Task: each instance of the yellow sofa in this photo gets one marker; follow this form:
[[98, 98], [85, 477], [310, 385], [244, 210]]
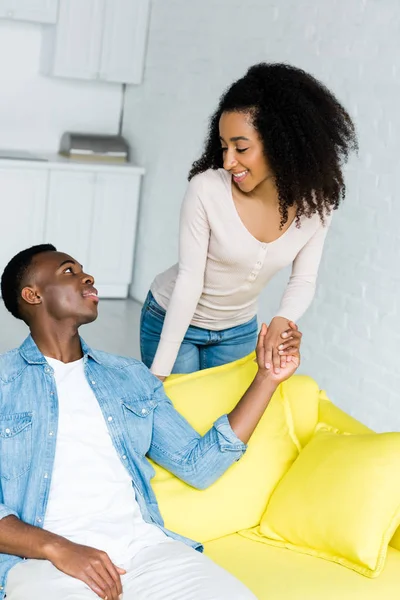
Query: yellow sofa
[[270, 572]]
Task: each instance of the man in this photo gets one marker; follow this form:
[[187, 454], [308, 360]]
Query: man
[[75, 428]]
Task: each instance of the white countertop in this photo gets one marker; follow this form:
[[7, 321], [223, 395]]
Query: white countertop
[[55, 161]]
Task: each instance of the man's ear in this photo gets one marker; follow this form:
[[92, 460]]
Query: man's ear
[[31, 296]]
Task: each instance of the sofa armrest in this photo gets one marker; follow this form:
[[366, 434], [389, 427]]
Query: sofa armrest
[[332, 415]]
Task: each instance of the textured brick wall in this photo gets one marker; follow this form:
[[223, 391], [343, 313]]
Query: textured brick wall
[[352, 331]]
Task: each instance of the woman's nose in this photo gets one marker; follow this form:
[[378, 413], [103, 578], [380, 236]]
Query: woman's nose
[[229, 160]]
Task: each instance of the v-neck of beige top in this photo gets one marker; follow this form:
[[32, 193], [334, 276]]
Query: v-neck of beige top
[[229, 184]]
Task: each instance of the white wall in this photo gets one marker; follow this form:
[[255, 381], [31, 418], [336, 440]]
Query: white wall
[[36, 110], [352, 331]]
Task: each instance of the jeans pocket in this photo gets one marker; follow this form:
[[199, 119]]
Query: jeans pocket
[[155, 309]]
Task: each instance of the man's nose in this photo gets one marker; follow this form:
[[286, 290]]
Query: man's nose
[[88, 279]]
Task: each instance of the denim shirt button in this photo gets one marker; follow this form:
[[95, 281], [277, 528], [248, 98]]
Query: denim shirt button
[[144, 411], [110, 419], [39, 520], [124, 457], [93, 383]]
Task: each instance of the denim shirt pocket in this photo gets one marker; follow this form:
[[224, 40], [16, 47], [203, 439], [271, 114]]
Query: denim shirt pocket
[[138, 418], [15, 445]]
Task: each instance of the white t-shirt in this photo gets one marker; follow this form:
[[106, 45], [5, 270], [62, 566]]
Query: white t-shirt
[[92, 500]]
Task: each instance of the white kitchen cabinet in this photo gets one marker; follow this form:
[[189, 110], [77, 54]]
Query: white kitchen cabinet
[[91, 213], [124, 40], [70, 212], [92, 216], [23, 195], [41, 11], [72, 48], [87, 210], [112, 243], [97, 39]]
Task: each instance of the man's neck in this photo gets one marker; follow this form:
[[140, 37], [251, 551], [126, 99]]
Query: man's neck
[[56, 341]]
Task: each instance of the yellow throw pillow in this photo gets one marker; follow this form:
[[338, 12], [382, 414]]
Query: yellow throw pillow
[[237, 500], [349, 426], [339, 501]]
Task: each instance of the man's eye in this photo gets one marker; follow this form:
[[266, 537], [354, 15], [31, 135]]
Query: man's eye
[[241, 150], [68, 269]]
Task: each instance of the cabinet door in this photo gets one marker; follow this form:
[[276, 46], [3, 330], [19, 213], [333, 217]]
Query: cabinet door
[[70, 213], [22, 210], [124, 40], [114, 232], [42, 11], [76, 46]]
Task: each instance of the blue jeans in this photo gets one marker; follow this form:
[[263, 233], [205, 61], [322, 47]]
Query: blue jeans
[[200, 348]]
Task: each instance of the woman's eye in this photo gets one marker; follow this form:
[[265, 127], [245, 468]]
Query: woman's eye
[[241, 150], [224, 149]]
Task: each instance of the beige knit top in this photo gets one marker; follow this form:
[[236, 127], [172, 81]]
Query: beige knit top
[[222, 268]]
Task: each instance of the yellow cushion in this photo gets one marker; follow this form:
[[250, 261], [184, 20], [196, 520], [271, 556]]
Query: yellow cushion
[[339, 501], [342, 422], [278, 574], [238, 499]]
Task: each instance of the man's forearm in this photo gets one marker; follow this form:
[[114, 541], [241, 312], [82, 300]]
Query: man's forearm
[[247, 413], [20, 539]]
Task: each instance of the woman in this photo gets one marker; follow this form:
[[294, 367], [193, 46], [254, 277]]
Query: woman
[[260, 198]]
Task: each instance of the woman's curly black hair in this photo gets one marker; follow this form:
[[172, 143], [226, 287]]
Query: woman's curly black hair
[[306, 133]]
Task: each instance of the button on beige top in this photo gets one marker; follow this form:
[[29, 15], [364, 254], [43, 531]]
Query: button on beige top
[[223, 268]]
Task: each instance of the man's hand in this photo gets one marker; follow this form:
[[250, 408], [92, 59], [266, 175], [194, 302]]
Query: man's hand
[[91, 566], [292, 362], [161, 377], [281, 342], [247, 413]]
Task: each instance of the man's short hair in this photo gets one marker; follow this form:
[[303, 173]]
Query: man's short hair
[[14, 274]]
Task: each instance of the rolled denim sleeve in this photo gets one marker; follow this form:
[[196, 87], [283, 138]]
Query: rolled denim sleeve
[[197, 460], [227, 438]]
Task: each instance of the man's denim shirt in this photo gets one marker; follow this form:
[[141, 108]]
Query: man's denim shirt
[[141, 421]]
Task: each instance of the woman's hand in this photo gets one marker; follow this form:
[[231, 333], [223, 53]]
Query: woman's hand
[[292, 362], [281, 343]]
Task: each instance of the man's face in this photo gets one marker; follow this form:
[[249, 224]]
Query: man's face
[[63, 291]]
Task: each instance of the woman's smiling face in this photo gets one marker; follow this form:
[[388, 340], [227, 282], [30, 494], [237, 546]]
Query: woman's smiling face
[[243, 151]]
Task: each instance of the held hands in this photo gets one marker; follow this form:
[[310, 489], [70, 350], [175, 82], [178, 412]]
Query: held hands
[[281, 343], [278, 371], [91, 566]]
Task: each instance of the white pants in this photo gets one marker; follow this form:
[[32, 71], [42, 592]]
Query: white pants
[[171, 571]]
